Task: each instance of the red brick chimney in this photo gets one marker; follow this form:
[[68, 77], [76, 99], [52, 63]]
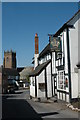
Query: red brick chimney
[[36, 44]]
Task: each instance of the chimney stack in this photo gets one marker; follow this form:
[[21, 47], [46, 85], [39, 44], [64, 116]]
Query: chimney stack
[[36, 51], [36, 44]]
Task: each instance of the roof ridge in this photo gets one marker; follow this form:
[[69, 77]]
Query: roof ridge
[[72, 16]]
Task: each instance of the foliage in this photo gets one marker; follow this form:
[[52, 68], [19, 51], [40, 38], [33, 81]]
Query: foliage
[[28, 79]]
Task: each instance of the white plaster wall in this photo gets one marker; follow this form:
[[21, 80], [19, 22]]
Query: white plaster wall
[[73, 37], [42, 60], [53, 63], [65, 52], [79, 40], [45, 58], [32, 88], [79, 83], [60, 96], [35, 60], [40, 79], [67, 98], [48, 56], [63, 96], [53, 84], [49, 86], [62, 41]]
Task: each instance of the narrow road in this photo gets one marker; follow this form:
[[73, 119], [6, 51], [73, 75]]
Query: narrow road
[[15, 106], [19, 106]]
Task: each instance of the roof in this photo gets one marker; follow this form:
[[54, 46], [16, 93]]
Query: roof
[[9, 71], [19, 69], [78, 12], [67, 24], [26, 71], [47, 48], [61, 29], [44, 51], [39, 68]]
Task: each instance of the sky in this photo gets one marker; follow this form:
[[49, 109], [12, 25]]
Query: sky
[[39, 0], [21, 20]]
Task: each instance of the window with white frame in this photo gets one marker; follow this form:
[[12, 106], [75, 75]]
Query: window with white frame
[[62, 81]]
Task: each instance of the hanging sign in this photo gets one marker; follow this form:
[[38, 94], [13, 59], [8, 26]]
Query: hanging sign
[[55, 43]]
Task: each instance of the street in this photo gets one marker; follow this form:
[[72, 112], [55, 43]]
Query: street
[[19, 106]]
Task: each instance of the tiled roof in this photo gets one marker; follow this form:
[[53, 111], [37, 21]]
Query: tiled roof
[[39, 68], [26, 71]]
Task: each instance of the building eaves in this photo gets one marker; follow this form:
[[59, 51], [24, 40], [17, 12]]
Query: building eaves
[[66, 25], [73, 16], [39, 69]]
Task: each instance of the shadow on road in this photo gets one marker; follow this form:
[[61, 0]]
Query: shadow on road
[[47, 114], [18, 109], [5, 96]]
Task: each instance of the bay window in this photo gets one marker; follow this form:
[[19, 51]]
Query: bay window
[[62, 81]]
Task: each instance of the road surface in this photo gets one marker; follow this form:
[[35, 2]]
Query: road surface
[[19, 106]]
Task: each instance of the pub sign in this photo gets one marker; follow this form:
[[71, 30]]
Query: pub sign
[[55, 43]]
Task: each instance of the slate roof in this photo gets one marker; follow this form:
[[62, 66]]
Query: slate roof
[[9, 71], [26, 71], [39, 68]]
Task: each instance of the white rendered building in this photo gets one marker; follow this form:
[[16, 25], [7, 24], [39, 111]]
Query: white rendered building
[[56, 72]]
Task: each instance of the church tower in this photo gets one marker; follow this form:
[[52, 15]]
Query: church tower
[[9, 59]]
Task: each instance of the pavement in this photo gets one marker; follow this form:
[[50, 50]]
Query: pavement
[[20, 106]]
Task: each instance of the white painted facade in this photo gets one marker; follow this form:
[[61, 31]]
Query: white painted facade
[[35, 60], [73, 47], [79, 83], [48, 77], [62, 77], [40, 79], [32, 86], [73, 35]]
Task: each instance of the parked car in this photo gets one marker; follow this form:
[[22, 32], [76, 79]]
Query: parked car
[[12, 85]]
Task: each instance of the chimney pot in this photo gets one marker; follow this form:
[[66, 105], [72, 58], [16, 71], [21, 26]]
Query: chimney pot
[[36, 35], [36, 44]]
